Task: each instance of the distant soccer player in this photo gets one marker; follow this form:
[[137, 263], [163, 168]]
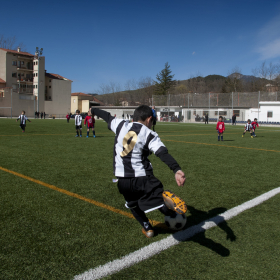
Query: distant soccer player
[[78, 123], [220, 128], [90, 121], [254, 125], [23, 120], [248, 128], [143, 192], [68, 117]]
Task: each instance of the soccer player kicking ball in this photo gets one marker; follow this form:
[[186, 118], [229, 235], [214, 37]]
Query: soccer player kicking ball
[[90, 121], [143, 192], [220, 128], [248, 127]]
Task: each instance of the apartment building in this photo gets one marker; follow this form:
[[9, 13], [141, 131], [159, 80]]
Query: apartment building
[[25, 85]]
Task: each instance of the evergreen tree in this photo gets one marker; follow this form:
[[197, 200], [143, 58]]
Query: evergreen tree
[[164, 81]]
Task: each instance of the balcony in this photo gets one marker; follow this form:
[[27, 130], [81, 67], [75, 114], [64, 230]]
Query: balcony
[[24, 91], [24, 68], [25, 81]]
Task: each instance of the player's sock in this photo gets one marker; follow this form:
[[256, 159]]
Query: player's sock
[[93, 132], [222, 138], [87, 133], [77, 133], [141, 217], [218, 138]]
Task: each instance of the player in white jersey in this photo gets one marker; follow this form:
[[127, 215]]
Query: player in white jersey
[[23, 120], [134, 142], [78, 123], [248, 127]]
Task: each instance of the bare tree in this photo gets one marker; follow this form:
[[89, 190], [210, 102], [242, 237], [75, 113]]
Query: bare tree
[[10, 43]]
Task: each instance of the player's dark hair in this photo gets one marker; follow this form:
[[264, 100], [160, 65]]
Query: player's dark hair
[[23, 112], [142, 113]]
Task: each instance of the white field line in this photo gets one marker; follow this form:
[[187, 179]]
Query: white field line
[[156, 247]]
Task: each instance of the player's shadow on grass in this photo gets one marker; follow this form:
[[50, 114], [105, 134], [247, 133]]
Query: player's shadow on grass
[[227, 140], [194, 230]]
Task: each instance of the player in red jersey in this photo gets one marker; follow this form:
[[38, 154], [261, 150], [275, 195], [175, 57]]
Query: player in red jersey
[[220, 128], [254, 125], [90, 121]]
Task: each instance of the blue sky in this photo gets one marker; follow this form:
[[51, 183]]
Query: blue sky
[[95, 43]]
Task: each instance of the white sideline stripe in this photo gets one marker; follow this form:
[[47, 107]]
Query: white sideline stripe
[[156, 247]]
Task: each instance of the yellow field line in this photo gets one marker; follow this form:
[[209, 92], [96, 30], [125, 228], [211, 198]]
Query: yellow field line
[[96, 203], [197, 143]]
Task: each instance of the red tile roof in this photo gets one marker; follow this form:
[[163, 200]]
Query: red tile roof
[[2, 81], [55, 76], [16, 52], [79, 93]]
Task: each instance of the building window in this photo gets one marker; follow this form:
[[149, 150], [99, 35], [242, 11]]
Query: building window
[[50, 80], [220, 113], [74, 100], [269, 114], [14, 75], [236, 113], [14, 63], [205, 112], [50, 86]]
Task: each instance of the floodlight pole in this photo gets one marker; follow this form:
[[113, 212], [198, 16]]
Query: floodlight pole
[[259, 105], [11, 102], [232, 104]]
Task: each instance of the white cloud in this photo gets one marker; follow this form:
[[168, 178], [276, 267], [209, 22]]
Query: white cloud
[[270, 49], [193, 53], [269, 39]]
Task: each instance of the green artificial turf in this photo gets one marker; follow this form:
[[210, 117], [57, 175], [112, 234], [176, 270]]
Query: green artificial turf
[[46, 234]]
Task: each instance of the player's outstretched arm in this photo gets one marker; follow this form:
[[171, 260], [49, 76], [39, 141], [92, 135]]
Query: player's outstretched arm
[[106, 116], [180, 178]]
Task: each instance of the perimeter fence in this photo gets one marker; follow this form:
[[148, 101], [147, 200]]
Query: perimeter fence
[[214, 100]]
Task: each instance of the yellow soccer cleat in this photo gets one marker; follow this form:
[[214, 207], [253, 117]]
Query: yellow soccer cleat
[[174, 202]]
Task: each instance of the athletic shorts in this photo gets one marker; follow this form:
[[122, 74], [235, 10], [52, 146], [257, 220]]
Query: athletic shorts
[[90, 126], [145, 192], [220, 132], [79, 127]]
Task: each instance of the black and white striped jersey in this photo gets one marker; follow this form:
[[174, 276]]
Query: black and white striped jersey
[[78, 120], [248, 127], [134, 142], [22, 119]]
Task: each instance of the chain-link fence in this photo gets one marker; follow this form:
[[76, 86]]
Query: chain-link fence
[[214, 100]]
